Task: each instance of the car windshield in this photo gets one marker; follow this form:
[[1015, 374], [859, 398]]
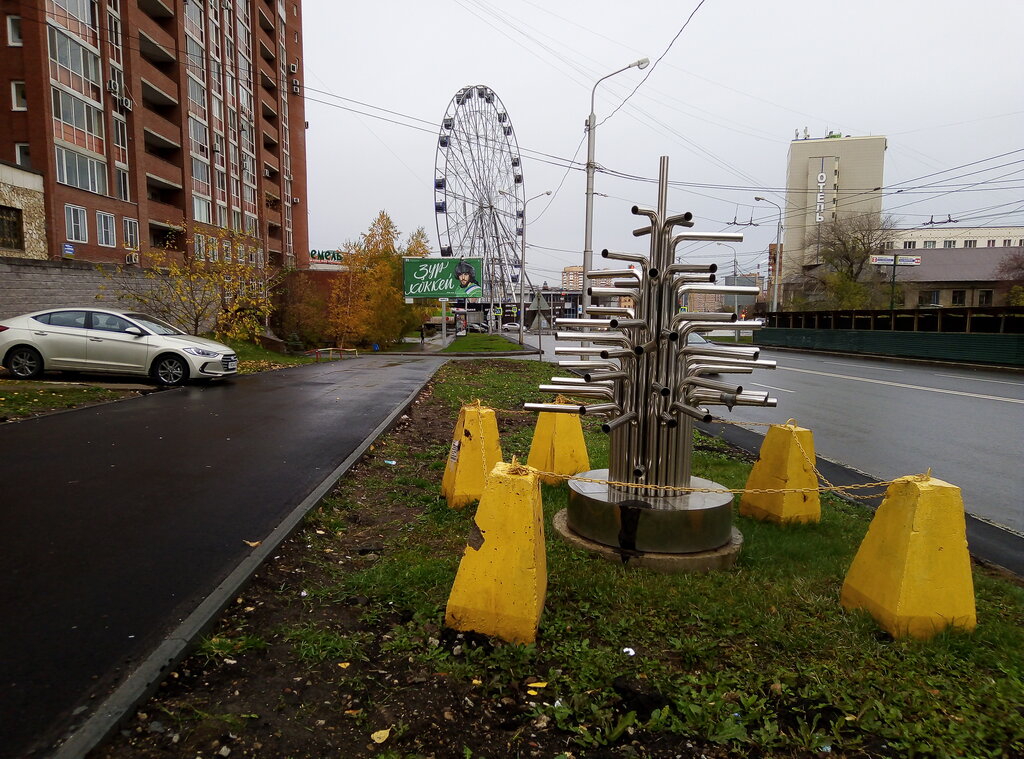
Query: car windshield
[[154, 325]]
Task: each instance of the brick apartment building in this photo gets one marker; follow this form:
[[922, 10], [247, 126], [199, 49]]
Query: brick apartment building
[[160, 122]]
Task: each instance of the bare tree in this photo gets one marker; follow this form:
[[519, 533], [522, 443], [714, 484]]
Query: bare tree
[[846, 278], [1011, 268]]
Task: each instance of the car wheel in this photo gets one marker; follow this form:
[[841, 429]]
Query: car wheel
[[170, 371], [24, 362]]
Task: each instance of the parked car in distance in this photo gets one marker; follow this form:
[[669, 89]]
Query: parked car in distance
[[477, 328], [510, 326], [86, 339]]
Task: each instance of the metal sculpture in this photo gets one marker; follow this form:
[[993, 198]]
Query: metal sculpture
[[650, 382]]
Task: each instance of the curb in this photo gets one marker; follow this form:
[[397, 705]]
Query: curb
[[146, 678]]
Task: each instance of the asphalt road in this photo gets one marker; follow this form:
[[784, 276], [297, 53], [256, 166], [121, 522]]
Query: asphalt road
[[119, 520]]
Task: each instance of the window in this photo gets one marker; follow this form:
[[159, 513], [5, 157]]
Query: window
[[928, 298], [14, 31], [123, 185], [990, 244], [74, 217], [909, 244], [984, 297], [81, 171], [11, 231], [888, 245], [78, 122], [199, 247], [929, 244], [105, 234], [949, 243], [73, 65], [226, 247], [18, 100], [67, 319], [110, 322], [131, 233], [1007, 243], [202, 209], [21, 155], [970, 243], [959, 297]]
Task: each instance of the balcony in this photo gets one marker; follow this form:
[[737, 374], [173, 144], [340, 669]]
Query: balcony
[[159, 52], [161, 146], [156, 9], [268, 111], [266, 20], [271, 137], [266, 51], [267, 80], [158, 91]]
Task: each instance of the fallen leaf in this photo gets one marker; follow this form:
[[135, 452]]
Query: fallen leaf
[[381, 735], [344, 664], [353, 712], [252, 543], [537, 685]]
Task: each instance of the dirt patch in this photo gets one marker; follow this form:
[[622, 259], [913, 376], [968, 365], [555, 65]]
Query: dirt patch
[[257, 688]]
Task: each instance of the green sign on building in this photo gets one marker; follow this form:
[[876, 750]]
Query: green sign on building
[[442, 277]]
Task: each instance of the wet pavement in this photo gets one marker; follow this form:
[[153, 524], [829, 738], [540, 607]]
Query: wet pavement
[[119, 520]]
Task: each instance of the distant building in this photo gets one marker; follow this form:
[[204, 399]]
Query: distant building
[[958, 265], [572, 278], [826, 178]]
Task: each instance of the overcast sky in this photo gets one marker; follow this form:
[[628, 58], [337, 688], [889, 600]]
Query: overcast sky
[[943, 80]]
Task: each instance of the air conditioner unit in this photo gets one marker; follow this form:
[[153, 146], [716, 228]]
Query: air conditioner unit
[[268, 173], [295, 83], [126, 103], [113, 86], [131, 258], [294, 68], [295, 201], [296, 90], [227, 3]]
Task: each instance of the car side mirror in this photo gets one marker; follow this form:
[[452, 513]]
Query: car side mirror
[[134, 331]]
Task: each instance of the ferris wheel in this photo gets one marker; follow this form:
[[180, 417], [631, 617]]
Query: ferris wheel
[[478, 189]]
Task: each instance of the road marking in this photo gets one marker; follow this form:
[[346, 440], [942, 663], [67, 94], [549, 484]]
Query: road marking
[[863, 366], [902, 384], [978, 379], [772, 387]]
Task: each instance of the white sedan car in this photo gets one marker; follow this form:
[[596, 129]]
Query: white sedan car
[[103, 340]]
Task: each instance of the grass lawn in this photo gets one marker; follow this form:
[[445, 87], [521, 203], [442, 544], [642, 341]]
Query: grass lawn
[[757, 661], [255, 358], [479, 342], [19, 400]]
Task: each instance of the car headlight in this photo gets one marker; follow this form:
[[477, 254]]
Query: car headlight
[[201, 352]]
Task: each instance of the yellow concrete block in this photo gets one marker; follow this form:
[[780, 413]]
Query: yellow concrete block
[[503, 578], [782, 464], [558, 446], [912, 573], [474, 452]]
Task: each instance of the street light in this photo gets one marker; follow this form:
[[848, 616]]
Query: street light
[[588, 242], [735, 281], [777, 270], [522, 262]]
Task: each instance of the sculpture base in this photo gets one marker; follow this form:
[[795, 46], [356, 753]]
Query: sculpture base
[[667, 563], [675, 524]]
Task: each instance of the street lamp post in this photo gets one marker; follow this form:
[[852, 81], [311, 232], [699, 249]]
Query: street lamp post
[[777, 270], [735, 281], [522, 262], [588, 242]]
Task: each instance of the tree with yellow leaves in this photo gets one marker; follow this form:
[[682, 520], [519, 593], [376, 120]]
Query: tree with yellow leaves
[[367, 305], [221, 284]]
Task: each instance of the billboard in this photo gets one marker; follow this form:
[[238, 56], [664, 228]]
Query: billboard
[[442, 277]]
